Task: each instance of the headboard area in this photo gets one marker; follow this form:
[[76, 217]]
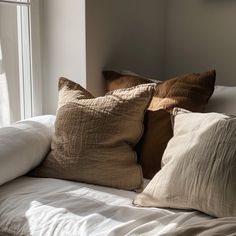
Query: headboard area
[[160, 39]]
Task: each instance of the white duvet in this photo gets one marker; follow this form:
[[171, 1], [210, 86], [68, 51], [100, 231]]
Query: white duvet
[[34, 206]]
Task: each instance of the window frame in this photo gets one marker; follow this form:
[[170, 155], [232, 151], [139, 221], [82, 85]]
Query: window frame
[[30, 87]]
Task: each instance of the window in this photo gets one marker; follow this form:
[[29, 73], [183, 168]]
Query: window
[[16, 77]]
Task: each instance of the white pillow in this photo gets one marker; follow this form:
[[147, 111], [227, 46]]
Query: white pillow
[[24, 145], [223, 100], [199, 169]]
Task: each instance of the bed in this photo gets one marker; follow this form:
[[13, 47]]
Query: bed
[[48, 206]]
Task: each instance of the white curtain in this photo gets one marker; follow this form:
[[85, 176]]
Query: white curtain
[[4, 98]]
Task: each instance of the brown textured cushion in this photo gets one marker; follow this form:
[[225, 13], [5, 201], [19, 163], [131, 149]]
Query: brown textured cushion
[[95, 137], [192, 92]]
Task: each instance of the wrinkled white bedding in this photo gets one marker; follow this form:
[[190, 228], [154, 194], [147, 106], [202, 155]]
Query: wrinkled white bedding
[[34, 206]]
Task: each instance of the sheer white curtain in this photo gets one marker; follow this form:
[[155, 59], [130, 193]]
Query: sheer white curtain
[[15, 61], [4, 98]]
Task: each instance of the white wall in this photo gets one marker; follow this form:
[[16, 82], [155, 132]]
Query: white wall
[[156, 38], [201, 35], [124, 34], [63, 46]]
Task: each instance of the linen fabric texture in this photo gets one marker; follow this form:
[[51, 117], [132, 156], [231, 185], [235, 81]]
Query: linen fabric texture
[[95, 137], [52, 207], [199, 166], [190, 91]]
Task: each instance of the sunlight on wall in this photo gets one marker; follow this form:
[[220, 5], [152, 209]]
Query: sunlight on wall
[[4, 97]]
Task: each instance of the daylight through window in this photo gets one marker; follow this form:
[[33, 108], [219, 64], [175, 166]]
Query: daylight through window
[[15, 61]]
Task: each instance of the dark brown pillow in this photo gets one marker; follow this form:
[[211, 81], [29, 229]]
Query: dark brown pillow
[[192, 92], [157, 133], [115, 80]]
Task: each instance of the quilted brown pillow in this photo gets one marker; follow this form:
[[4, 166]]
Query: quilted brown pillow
[[95, 137], [192, 92]]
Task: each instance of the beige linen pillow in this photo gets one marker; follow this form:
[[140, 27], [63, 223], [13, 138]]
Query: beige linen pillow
[[199, 169], [95, 137]]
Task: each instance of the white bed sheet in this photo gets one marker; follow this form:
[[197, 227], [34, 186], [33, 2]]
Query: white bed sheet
[[34, 206]]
